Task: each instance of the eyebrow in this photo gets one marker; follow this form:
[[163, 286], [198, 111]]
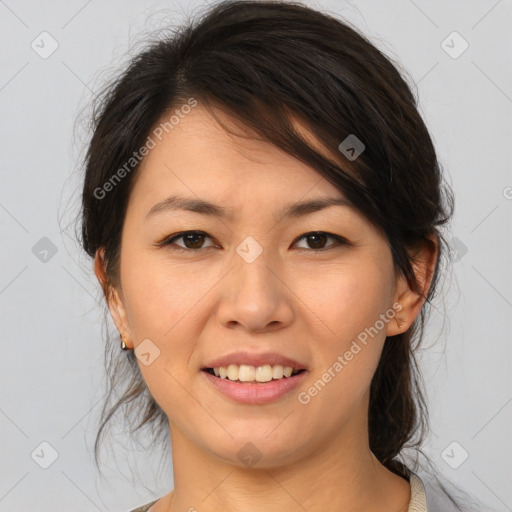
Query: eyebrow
[[295, 210]]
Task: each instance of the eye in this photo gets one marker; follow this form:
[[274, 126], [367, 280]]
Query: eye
[[192, 240], [317, 240]]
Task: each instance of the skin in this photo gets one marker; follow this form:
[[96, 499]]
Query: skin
[[305, 303]]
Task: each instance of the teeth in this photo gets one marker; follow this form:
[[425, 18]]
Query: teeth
[[248, 373], [277, 372], [233, 372], [263, 373]]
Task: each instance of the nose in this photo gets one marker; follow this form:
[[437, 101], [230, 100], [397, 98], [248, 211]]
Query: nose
[[255, 296]]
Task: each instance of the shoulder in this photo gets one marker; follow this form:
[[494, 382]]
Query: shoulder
[[143, 508], [436, 500], [426, 497], [418, 502]]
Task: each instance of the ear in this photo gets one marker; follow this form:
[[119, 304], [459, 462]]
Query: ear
[[112, 295], [424, 259]]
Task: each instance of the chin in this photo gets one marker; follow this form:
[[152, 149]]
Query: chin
[[249, 449]]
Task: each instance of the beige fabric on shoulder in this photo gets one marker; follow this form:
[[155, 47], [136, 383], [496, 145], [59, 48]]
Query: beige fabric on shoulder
[[418, 501]]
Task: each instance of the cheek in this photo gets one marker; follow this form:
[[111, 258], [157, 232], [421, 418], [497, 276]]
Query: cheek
[[348, 299], [159, 298], [348, 343], [162, 305], [350, 302]]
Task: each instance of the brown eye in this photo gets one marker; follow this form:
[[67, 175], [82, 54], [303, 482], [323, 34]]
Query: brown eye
[[317, 239], [192, 240]]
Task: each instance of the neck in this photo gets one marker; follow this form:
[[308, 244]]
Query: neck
[[340, 473]]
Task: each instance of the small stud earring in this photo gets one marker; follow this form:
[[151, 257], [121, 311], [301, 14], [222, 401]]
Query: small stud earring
[[123, 344]]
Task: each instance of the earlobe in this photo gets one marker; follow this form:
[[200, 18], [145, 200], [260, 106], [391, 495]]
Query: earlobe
[[424, 262], [111, 294]]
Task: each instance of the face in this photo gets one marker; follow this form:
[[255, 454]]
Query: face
[[255, 283]]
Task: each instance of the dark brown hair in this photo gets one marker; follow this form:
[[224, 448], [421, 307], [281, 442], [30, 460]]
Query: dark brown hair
[[265, 62]]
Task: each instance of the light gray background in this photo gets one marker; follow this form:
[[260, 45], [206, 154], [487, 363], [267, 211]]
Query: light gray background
[[51, 333]]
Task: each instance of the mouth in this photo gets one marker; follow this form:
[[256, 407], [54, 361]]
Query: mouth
[[248, 374], [255, 385]]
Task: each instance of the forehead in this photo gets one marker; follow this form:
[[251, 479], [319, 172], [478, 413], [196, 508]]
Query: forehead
[[202, 159]]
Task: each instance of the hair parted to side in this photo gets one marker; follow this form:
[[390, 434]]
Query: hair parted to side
[[265, 63]]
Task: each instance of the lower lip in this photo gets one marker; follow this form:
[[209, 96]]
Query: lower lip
[[256, 393]]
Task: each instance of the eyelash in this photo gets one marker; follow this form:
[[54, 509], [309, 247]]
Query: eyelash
[[169, 241]]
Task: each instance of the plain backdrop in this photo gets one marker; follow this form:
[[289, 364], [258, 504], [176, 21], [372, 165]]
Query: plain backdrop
[[54, 56]]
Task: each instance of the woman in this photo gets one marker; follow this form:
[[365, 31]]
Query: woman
[[263, 203]]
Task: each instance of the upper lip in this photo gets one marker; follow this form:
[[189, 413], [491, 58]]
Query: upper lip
[[253, 359]]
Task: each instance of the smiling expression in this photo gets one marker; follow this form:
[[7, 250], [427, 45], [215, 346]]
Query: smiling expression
[[218, 257]]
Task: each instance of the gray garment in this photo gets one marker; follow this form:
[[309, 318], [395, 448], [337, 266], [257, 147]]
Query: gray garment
[[143, 508], [437, 500]]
